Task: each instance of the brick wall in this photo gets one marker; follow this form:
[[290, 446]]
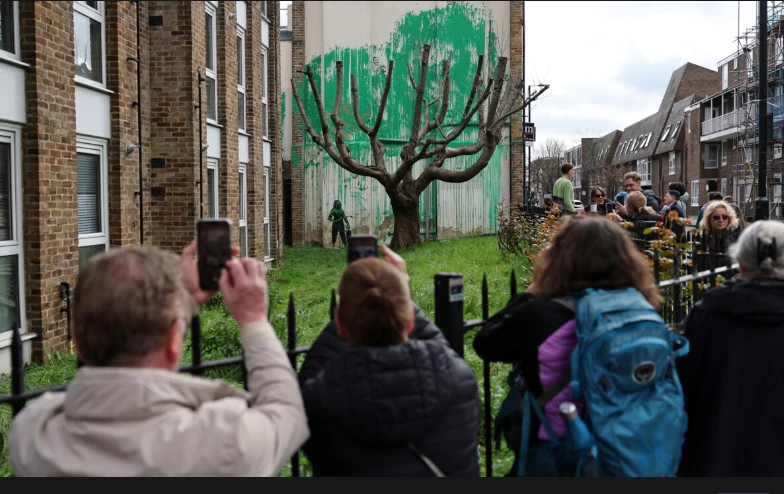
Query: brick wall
[[50, 220], [297, 126], [516, 147], [228, 165], [254, 122], [275, 125]]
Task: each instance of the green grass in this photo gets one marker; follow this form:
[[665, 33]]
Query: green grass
[[310, 273]]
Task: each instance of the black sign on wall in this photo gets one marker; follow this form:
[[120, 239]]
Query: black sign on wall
[[529, 132]]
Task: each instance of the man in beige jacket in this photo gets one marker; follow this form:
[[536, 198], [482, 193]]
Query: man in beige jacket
[[127, 412]]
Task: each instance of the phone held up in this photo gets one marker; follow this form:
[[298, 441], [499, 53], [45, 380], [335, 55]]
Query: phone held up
[[214, 250], [360, 246]]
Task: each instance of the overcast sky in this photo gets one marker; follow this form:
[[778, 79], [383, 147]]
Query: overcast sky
[[609, 63]]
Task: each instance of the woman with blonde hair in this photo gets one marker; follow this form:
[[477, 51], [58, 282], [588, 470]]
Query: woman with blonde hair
[[733, 374], [532, 337], [721, 224], [637, 210]]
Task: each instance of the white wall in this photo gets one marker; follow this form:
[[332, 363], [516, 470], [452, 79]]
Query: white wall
[[12, 93]]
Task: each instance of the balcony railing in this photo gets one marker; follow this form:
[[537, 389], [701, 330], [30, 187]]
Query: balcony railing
[[722, 122]]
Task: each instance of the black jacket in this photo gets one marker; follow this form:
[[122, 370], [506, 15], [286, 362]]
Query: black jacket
[[733, 379], [366, 405], [653, 201]]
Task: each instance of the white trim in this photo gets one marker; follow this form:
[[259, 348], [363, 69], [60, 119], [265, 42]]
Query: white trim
[[81, 81], [241, 78], [5, 338], [14, 56], [695, 192], [99, 16], [243, 216], [210, 8], [97, 147], [264, 93], [671, 163], [212, 164], [12, 134], [266, 222]]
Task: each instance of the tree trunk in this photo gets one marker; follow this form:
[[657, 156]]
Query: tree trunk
[[405, 207]]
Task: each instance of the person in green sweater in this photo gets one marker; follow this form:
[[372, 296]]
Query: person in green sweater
[[337, 216], [563, 193]]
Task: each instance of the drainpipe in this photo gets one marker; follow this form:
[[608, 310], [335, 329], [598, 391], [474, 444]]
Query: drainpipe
[[138, 105], [201, 152], [762, 210], [525, 170]]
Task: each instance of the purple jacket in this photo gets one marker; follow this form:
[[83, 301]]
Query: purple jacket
[[555, 356]]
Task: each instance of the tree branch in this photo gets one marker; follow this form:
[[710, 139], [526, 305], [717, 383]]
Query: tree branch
[[420, 96], [319, 103], [475, 86], [383, 103], [355, 105], [497, 88]]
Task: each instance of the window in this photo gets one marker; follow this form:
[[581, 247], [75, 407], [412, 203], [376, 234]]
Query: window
[[243, 210], [779, 50], [675, 130], [264, 9], [735, 64], [647, 139], [241, 78], [750, 63], [577, 180], [211, 63], [267, 243], [212, 188], [11, 262], [9, 27], [695, 192], [671, 167], [644, 169], [725, 76], [725, 150], [777, 187], [92, 194], [664, 134], [723, 187], [88, 41], [711, 156], [264, 106]]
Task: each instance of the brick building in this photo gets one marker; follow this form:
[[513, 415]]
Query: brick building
[[74, 176]]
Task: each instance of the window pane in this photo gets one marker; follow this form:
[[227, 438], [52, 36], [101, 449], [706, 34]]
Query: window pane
[[85, 253], [212, 111], [5, 192], [264, 119], [266, 193], [243, 204], [9, 293], [208, 38], [240, 67], [87, 48], [241, 110], [7, 26], [264, 74], [92, 4], [243, 241], [267, 240], [211, 192], [88, 186]]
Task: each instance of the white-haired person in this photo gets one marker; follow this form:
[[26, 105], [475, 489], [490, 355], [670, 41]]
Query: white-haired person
[[733, 374]]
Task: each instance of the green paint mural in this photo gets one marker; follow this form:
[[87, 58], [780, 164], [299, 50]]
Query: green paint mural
[[459, 30]]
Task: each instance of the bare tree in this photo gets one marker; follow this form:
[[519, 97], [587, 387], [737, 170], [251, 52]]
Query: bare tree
[[546, 168], [427, 140]]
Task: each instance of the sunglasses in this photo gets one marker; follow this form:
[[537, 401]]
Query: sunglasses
[[599, 195], [718, 217]]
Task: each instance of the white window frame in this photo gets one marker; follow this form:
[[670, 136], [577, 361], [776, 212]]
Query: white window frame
[[212, 164], [98, 16], [725, 147], [265, 94], [671, 163], [644, 169], [675, 130], [17, 45], [665, 133], [777, 187], [725, 76], [12, 134], [210, 9], [97, 147], [264, 5], [243, 216], [711, 164], [241, 78], [267, 229], [723, 187], [695, 192]]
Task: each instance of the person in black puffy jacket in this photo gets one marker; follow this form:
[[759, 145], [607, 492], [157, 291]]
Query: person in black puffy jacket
[[384, 392]]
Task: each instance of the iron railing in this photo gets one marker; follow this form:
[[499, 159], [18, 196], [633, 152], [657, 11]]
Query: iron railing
[[684, 285]]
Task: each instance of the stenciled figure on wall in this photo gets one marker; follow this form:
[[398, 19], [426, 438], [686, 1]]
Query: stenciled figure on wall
[[337, 216]]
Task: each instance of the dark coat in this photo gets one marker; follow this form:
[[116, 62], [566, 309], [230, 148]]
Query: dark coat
[[366, 405], [732, 379]]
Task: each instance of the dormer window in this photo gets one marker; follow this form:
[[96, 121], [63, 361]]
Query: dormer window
[[676, 129], [664, 134]]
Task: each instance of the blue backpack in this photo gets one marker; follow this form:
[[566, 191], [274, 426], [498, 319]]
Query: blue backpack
[[623, 368]]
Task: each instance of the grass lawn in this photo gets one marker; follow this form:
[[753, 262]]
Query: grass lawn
[[309, 273]]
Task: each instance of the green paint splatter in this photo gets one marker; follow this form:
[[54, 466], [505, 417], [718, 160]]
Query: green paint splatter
[[282, 116], [456, 29]]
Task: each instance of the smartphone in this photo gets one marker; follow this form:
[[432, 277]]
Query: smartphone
[[214, 250], [360, 246], [621, 200], [609, 208]]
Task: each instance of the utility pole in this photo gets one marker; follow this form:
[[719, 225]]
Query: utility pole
[[525, 168], [762, 210]]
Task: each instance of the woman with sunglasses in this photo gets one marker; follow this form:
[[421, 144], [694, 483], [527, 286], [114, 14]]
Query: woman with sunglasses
[[599, 199], [721, 224]]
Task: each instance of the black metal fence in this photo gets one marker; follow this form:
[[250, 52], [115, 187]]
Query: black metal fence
[[676, 271]]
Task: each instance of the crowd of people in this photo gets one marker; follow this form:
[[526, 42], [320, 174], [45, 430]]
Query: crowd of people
[[381, 392]]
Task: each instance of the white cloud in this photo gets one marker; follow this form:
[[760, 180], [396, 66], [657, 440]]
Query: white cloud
[[608, 63]]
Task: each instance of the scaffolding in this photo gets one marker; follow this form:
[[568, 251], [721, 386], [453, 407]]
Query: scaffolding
[[748, 97]]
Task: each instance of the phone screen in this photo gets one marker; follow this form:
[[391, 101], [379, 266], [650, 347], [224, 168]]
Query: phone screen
[[214, 249], [360, 246], [608, 208]]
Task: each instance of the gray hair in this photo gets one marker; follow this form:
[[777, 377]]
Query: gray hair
[[760, 249]]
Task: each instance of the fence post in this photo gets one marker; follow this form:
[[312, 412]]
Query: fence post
[[486, 385], [17, 369], [449, 308], [513, 284], [196, 344], [333, 303], [291, 319]]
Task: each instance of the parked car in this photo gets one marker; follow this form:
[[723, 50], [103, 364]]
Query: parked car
[[578, 206]]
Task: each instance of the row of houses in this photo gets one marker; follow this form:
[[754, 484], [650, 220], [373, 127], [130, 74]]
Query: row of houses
[[704, 134]]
